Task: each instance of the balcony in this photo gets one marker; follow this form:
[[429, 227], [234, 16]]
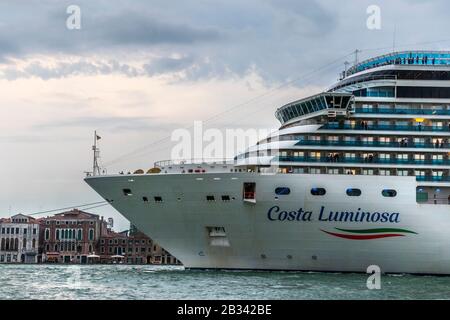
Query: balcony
[[361, 160], [433, 178], [378, 144], [403, 111], [416, 128]]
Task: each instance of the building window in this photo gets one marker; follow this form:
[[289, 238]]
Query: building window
[[318, 191], [282, 191], [389, 193], [158, 199], [91, 234], [352, 192], [145, 199], [210, 198], [47, 234]]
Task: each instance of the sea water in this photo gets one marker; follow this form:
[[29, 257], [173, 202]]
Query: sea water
[[170, 282]]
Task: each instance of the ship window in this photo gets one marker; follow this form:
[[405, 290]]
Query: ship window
[[145, 199], [352, 192], [210, 198], [127, 192], [389, 193], [318, 191], [226, 198], [282, 191], [158, 199]]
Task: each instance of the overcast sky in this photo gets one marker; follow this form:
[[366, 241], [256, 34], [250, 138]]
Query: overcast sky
[[137, 70]]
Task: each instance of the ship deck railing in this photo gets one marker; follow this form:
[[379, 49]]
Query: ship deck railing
[[441, 112], [440, 145], [199, 161], [378, 127], [364, 160]]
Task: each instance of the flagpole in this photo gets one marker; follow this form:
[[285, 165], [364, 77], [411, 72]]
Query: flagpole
[[95, 151]]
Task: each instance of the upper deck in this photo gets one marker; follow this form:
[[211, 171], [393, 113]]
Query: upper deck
[[411, 58]]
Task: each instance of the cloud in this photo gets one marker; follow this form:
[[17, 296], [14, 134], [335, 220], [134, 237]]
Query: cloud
[[185, 41], [108, 123], [63, 69]]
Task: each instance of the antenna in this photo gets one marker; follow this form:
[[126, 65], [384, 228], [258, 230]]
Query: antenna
[[96, 150], [346, 64], [356, 56], [394, 38]]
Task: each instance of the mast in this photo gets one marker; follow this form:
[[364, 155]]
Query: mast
[[356, 56], [95, 167]]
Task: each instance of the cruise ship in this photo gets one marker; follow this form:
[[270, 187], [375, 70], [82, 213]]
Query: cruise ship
[[357, 175]]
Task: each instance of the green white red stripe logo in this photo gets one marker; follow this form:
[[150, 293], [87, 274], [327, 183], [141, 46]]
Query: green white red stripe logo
[[369, 234]]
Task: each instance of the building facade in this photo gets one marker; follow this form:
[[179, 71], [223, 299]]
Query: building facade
[[71, 237], [19, 239], [132, 247]]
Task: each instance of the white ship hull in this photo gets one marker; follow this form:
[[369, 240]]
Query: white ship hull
[[409, 238]]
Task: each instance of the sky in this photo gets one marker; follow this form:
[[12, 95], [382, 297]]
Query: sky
[[135, 71]]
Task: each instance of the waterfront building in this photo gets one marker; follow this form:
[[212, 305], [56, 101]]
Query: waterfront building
[[70, 237], [19, 239], [132, 247]]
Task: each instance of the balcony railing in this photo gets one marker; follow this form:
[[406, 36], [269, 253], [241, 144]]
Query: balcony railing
[[440, 112], [433, 178], [367, 160], [417, 128], [440, 145]]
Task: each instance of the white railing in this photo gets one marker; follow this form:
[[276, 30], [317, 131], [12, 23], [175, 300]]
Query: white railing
[[177, 162]]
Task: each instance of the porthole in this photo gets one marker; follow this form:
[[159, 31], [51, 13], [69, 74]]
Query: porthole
[[353, 192], [225, 198], [127, 192], [282, 191], [389, 193], [318, 191]]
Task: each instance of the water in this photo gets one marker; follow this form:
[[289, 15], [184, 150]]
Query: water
[[167, 282]]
